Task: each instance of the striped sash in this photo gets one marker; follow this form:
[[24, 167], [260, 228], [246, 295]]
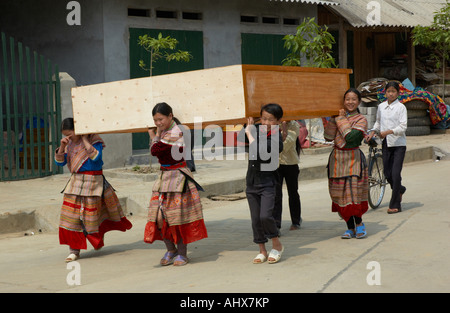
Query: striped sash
[[170, 181], [345, 163], [88, 184]]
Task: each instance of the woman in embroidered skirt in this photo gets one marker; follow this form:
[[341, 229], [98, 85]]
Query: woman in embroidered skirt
[[90, 205], [347, 167], [175, 213]]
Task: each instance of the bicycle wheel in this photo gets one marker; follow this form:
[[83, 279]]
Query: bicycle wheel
[[377, 181]]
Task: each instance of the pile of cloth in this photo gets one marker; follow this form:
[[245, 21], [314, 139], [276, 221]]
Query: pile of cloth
[[439, 111]]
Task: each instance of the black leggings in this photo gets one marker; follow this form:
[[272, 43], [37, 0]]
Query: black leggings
[[353, 221], [393, 158]]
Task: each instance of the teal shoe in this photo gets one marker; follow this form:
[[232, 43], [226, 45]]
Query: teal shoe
[[348, 234], [361, 230]]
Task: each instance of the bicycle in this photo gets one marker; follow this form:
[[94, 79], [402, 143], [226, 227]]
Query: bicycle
[[377, 180]]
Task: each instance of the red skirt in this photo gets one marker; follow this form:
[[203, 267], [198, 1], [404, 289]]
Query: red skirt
[[348, 182], [183, 216], [100, 215], [77, 239], [349, 195], [188, 233]]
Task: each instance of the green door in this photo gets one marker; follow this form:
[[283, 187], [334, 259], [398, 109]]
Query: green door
[[263, 49], [191, 41]]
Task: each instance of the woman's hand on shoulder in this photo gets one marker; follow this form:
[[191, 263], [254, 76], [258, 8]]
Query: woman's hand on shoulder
[[284, 130], [153, 132], [250, 124], [248, 129], [86, 142]]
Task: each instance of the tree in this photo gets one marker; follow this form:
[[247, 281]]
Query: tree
[[310, 46], [158, 48], [437, 38]]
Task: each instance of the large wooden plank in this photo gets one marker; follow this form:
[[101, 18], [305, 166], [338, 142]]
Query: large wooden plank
[[220, 96], [214, 95], [112, 107], [302, 92]]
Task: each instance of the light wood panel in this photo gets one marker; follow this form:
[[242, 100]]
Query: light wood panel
[[302, 92], [120, 106], [221, 96], [214, 95]]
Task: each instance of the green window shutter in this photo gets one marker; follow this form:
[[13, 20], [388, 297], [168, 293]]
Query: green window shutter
[[263, 49], [191, 41]]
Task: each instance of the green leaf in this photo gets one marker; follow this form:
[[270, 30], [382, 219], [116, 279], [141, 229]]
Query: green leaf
[[157, 48], [311, 43]]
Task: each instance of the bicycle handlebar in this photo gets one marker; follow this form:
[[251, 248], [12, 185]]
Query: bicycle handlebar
[[375, 140]]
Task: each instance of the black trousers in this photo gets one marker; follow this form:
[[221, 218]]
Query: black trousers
[[353, 221], [290, 174], [393, 163], [261, 202]]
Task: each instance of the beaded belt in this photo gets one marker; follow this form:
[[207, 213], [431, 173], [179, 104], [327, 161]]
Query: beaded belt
[[92, 172], [173, 166]]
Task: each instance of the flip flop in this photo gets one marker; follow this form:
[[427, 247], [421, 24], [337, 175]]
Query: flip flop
[[168, 257], [72, 257], [348, 234], [181, 259], [276, 255], [361, 230], [260, 258]]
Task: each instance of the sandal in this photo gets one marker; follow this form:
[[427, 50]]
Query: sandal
[[168, 257], [275, 255], [72, 257], [361, 230], [348, 234], [260, 258], [180, 260], [393, 211]]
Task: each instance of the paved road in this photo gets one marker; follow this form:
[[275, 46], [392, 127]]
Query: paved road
[[409, 251]]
